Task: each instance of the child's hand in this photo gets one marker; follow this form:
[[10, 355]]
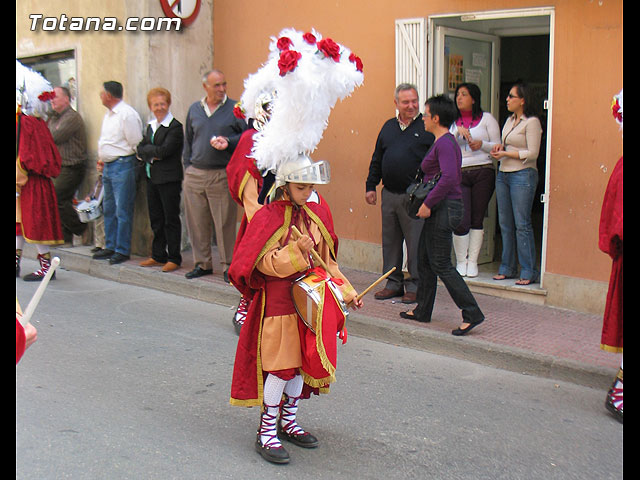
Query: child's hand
[[305, 244]]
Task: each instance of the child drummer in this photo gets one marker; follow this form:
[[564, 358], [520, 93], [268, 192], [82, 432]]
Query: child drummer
[[274, 344], [279, 360]]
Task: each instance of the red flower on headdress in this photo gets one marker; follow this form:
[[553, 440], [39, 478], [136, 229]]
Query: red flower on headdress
[[615, 110], [355, 59], [238, 111], [288, 61], [329, 48], [46, 96], [284, 43], [310, 38]]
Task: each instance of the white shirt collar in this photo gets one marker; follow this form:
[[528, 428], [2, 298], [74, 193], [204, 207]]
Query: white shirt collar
[[165, 122], [205, 105]]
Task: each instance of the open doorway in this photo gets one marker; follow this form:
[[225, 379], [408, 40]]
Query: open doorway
[[527, 58], [498, 49]]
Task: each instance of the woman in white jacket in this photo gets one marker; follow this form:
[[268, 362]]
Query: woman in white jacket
[[476, 132]]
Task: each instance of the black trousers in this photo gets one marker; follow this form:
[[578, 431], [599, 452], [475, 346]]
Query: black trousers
[[163, 201], [66, 184], [434, 260]]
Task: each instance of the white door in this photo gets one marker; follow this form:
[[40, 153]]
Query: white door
[[461, 56], [411, 55]]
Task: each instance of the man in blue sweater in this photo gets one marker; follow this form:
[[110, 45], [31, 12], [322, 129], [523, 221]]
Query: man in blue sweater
[[402, 144], [211, 135]]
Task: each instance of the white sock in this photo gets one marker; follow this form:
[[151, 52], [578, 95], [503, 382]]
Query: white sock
[[293, 389], [19, 242], [272, 395]]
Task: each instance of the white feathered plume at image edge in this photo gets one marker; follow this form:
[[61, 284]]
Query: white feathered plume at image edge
[[33, 91]]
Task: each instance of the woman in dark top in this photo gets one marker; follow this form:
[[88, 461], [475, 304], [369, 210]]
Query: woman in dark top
[[161, 152], [442, 211]]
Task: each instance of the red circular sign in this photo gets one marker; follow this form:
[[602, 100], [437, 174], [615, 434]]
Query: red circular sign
[[186, 10]]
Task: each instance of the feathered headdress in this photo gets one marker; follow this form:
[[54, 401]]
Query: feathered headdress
[[616, 108], [33, 91], [308, 75]]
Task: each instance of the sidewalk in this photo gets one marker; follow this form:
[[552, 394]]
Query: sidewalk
[[517, 336]]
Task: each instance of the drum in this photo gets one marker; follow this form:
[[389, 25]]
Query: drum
[[309, 293], [88, 211]]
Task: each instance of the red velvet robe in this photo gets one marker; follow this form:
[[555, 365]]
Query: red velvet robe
[[21, 340], [610, 242], [267, 228], [38, 160]]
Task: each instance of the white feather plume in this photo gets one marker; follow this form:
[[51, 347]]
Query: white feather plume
[[29, 85], [304, 98]]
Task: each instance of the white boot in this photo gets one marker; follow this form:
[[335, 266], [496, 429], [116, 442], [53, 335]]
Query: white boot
[[461, 246], [475, 245]]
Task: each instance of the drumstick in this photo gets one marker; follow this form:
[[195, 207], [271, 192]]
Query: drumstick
[[314, 254], [366, 290], [28, 313]]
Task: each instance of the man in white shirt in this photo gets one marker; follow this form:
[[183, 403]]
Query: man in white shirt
[[121, 133]]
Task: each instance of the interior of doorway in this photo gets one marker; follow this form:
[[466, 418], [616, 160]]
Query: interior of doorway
[[526, 58], [525, 39]]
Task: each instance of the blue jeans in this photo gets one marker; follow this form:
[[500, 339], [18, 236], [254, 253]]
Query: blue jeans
[[515, 192], [434, 260], [119, 181]]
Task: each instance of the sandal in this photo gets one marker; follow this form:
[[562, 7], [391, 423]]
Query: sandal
[[524, 281], [501, 277]]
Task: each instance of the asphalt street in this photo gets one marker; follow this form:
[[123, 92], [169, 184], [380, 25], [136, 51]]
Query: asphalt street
[[126, 382]]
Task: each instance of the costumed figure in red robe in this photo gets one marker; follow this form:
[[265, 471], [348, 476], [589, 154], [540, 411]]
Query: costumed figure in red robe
[[610, 242], [245, 180], [284, 354], [25, 335], [37, 162]]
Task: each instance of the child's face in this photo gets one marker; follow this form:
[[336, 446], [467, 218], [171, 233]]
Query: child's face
[[300, 192]]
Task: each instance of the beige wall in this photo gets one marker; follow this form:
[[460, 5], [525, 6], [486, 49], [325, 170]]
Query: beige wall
[[586, 141]]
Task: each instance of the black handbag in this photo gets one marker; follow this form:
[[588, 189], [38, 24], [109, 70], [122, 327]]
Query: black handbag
[[418, 191]]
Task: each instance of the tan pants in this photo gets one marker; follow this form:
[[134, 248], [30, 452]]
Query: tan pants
[[207, 201]]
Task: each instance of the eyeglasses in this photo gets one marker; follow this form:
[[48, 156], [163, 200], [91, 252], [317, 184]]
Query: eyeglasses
[[513, 96]]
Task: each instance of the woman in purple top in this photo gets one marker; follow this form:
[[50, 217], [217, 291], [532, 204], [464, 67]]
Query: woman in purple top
[[442, 211]]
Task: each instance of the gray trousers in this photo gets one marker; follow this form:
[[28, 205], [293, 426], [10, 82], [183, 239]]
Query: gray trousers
[[397, 227], [208, 205]]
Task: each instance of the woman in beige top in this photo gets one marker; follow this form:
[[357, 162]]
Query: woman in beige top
[[516, 184]]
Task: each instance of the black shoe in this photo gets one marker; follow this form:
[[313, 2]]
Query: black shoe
[[198, 272], [95, 249], [37, 277], [236, 324], [411, 316], [118, 258], [225, 275], [458, 332], [305, 440], [103, 254], [273, 455]]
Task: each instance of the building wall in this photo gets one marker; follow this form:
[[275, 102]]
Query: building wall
[[585, 145]]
